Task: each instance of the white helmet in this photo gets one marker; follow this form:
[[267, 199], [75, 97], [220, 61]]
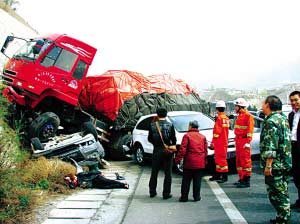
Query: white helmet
[[220, 103], [241, 102]]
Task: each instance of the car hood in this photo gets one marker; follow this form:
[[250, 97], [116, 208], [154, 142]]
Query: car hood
[[209, 135]]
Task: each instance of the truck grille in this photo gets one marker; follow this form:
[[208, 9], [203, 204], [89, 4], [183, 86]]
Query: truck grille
[[7, 81], [9, 72]]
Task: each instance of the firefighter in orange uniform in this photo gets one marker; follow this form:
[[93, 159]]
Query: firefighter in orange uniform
[[243, 129], [220, 143]]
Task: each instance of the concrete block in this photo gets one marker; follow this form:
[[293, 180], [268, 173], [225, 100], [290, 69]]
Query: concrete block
[[72, 213]]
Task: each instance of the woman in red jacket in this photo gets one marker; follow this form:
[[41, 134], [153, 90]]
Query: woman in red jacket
[[193, 151]]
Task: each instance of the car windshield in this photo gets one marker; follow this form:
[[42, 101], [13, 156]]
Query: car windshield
[[32, 49], [181, 122]]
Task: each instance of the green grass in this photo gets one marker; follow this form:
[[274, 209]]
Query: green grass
[[22, 179]]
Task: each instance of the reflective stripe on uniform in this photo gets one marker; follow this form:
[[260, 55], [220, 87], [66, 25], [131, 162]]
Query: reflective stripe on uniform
[[225, 125], [239, 168], [247, 169], [240, 126], [216, 135], [221, 167], [249, 135]]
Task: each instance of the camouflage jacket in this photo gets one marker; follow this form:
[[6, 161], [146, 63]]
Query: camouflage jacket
[[275, 142]]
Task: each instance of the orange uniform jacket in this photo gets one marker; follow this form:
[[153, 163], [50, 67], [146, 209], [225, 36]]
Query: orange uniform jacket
[[220, 142], [243, 129]]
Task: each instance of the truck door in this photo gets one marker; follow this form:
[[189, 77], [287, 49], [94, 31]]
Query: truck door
[[66, 69]]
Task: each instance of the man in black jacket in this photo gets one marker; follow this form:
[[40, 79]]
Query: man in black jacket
[[294, 123], [159, 157]]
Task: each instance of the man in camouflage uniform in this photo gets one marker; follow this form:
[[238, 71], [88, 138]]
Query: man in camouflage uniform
[[275, 151]]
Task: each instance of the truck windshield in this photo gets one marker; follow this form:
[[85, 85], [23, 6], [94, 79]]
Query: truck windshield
[[31, 50], [181, 122]]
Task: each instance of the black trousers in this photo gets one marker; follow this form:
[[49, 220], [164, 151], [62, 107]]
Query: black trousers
[[189, 175], [159, 160], [104, 183], [296, 166]]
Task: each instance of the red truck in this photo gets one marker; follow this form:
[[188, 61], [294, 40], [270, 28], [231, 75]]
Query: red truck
[[46, 81]]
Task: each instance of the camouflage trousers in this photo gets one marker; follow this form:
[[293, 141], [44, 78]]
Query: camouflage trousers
[[277, 188]]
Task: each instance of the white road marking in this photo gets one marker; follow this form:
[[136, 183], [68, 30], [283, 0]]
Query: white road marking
[[232, 212]]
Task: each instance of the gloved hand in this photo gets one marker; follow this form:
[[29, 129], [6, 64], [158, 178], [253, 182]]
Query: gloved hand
[[211, 146], [247, 145]]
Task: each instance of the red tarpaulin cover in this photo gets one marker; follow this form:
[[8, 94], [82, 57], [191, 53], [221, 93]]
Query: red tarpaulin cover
[[106, 93]]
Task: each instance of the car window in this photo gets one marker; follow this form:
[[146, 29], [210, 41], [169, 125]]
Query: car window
[[145, 124], [181, 122]]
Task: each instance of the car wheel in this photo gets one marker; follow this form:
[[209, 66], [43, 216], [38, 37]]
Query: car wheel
[[88, 128], [44, 126], [36, 144], [139, 155]]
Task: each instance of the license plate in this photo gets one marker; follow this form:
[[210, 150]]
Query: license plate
[[230, 155]]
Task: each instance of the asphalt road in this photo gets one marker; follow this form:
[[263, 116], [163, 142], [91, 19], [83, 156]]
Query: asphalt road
[[221, 203]]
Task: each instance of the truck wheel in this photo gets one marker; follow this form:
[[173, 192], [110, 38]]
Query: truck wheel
[[44, 126], [139, 155], [36, 143], [88, 128]]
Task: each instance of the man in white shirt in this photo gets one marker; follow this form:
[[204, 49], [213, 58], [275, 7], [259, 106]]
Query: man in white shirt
[[295, 130]]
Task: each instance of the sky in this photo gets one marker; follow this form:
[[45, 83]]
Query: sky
[[231, 44]]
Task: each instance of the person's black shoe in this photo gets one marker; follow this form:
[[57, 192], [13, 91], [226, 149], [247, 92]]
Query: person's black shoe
[[183, 199], [197, 199], [215, 177], [223, 179], [153, 195], [243, 185], [167, 196], [277, 221], [237, 183]]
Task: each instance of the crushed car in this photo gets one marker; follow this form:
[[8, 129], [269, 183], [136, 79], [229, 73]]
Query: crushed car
[[82, 147]]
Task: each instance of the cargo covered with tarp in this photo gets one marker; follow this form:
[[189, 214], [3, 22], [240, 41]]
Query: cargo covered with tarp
[[121, 97]]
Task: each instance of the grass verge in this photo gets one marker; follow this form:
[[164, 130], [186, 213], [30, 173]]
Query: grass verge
[[25, 183]]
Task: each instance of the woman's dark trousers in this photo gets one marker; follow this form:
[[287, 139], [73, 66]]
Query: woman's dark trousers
[[189, 175]]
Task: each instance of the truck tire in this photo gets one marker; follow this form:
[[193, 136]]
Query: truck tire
[[119, 153], [36, 143], [44, 126], [88, 128]]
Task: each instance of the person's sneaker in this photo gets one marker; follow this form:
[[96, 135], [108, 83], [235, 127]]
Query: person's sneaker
[[167, 196], [183, 199], [243, 184], [153, 195]]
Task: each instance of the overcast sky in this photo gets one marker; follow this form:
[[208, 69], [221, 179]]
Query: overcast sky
[[221, 43]]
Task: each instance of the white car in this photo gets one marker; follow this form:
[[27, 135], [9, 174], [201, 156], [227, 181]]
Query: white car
[[142, 148]]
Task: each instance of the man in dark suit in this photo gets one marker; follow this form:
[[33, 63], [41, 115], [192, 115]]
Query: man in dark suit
[[294, 123]]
